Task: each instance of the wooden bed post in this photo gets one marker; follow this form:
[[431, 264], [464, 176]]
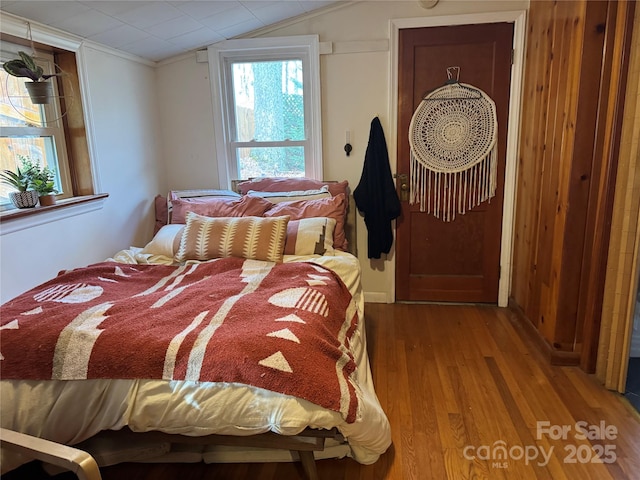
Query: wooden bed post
[[308, 464]]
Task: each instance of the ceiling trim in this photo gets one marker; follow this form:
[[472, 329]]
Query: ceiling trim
[[118, 53], [18, 27]]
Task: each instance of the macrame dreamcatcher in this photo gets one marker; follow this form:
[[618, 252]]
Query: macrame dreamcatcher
[[453, 140]]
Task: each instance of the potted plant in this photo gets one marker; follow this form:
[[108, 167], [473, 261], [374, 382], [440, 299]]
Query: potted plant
[[42, 180], [21, 181], [39, 89]]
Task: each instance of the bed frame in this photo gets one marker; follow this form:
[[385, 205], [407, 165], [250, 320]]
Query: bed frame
[[301, 445], [83, 464]]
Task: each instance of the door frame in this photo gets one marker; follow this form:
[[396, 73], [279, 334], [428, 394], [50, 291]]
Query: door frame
[[518, 18]]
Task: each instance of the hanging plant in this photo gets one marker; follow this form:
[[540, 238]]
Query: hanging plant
[[39, 89]]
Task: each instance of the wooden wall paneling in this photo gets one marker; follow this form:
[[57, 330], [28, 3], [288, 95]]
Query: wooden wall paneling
[[567, 162], [533, 130], [616, 62], [598, 167], [535, 100], [564, 73], [529, 222], [580, 135], [540, 157], [544, 292]]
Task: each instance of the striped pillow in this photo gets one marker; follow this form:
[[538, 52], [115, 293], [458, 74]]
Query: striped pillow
[[310, 236], [255, 238], [293, 196]]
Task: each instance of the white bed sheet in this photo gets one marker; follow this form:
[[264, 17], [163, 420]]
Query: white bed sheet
[[72, 411]]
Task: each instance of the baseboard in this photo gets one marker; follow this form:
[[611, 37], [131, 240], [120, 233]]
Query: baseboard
[[376, 297], [553, 356]]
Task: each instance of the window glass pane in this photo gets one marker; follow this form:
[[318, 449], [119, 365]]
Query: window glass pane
[[38, 149], [16, 109], [270, 161], [268, 100]]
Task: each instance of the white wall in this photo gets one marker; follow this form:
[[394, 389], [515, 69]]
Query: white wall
[[355, 88], [153, 131], [186, 123], [122, 98]]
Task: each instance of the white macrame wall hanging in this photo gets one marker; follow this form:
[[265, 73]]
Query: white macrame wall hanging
[[453, 139]]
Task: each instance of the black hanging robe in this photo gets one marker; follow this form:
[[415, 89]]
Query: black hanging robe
[[376, 195]]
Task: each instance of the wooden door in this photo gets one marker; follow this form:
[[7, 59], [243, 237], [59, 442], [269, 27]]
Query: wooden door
[[455, 261]]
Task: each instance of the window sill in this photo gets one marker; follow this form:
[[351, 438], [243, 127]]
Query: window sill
[[20, 219]]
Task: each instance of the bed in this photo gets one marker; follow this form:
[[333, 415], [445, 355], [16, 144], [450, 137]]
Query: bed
[[237, 328]]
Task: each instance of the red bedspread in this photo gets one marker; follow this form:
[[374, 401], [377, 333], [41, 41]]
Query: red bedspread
[[282, 327]]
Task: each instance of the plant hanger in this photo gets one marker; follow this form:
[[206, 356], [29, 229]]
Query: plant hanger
[[455, 82], [39, 87]]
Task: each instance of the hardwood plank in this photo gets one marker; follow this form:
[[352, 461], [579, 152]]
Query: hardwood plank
[[452, 377]]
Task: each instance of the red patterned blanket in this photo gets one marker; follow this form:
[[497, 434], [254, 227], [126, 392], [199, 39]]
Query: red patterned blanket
[[282, 327]]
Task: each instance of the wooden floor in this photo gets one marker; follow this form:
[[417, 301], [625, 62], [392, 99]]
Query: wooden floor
[[457, 382]]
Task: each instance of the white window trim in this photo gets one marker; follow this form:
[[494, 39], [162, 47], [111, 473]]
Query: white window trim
[[218, 55], [16, 26], [52, 128], [49, 216]]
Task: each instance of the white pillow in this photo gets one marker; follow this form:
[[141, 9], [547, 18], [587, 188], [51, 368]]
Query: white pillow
[[166, 242], [292, 196]]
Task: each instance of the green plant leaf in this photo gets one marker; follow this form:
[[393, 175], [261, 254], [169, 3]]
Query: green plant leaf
[[19, 180], [25, 66], [18, 68], [28, 61]]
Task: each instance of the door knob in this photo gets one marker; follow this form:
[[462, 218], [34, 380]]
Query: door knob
[[403, 180]]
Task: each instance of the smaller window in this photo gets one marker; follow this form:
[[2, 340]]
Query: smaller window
[[29, 130], [267, 107]]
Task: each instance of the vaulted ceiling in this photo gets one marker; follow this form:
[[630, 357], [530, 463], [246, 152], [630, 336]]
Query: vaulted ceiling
[[159, 29]]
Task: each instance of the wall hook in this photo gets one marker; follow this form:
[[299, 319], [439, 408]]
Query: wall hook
[[347, 146]]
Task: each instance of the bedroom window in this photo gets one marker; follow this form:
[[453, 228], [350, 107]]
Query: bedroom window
[[35, 132], [62, 138], [266, 100]]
